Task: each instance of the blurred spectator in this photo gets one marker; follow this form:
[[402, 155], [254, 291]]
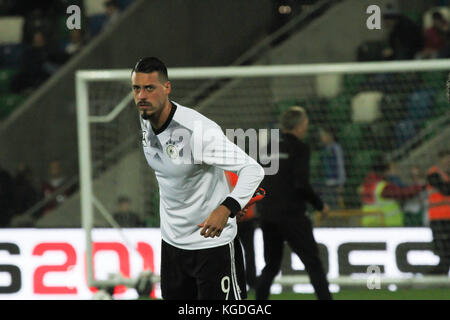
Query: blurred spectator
[[36, 66], [438, 178], [113, 13], [384, 197], [392, 175], [75, 44], [6, 198], [436, 39], [25, 194], [35, 21], [125, 217], [246, 232], [333, 168], [413, 208], [55, 181], [370, 51], [405, 37]]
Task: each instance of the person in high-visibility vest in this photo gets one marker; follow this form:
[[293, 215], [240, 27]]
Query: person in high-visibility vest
[[382, 196], [438, 178], [246, 231]]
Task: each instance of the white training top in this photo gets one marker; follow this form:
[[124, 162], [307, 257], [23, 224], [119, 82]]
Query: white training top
[[189, 154]]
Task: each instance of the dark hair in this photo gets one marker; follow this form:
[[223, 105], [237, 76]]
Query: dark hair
[[152, 64], [437, 16], [292, 117], [379, 164], [330, 131]]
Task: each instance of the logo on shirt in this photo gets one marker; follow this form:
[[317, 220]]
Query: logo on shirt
[[172, 151], [144, 138]]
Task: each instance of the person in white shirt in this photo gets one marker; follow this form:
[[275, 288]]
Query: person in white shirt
[[201, 257]]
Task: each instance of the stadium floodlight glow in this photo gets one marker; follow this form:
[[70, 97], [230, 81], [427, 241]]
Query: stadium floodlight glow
[[85, 78]]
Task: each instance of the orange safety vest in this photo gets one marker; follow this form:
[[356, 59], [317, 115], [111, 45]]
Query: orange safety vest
[[232, 180], [438, 204]]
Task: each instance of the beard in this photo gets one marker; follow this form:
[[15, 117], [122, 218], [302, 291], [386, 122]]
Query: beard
[[145, 115]]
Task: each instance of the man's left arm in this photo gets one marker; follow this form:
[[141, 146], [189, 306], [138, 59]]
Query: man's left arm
[[219, 151], [301, 174]]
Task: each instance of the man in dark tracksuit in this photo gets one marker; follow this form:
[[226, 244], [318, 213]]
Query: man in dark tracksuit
[[282, 212]]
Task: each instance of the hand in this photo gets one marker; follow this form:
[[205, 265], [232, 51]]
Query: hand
[[216, 221]]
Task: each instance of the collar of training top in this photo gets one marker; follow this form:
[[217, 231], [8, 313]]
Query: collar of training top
[[169, 118]]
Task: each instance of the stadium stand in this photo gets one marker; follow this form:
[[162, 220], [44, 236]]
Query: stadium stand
[[371, 113]]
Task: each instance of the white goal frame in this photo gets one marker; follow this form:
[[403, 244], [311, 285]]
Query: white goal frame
[[84, 119]]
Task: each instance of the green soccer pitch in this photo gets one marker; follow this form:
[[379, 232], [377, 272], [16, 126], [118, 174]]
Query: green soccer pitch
[[365, 294]]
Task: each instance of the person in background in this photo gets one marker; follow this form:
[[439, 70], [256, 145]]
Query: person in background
[[113, 13], [436, 38], [384, 197], [438, 186], [282, 214], [35, 20], [413, 208], [405, 36], [75, 44], [37, 65], [55, 181], [333, 168], [392, 175], [126, 217], [246, 232]]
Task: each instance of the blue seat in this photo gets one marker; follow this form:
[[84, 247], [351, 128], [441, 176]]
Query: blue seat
[[420, 105], [10, 55], [404, 131]]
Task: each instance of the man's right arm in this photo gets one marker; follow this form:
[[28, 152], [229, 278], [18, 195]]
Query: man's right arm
[[393, 191]]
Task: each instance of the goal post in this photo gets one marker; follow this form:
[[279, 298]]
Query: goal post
[[364, 103]]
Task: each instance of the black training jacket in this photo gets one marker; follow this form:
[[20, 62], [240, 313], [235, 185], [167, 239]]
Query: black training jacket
[[289, 189]]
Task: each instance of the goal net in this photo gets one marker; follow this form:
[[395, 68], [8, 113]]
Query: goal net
[[396, 110]]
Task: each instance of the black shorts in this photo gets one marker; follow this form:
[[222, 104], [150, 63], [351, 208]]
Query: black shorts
[[206, 274]]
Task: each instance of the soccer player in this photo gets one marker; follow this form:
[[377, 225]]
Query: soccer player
[[201, 257], [282, 213]]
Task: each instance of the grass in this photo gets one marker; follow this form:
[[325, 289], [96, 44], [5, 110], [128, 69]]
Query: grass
[[366, 294]]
